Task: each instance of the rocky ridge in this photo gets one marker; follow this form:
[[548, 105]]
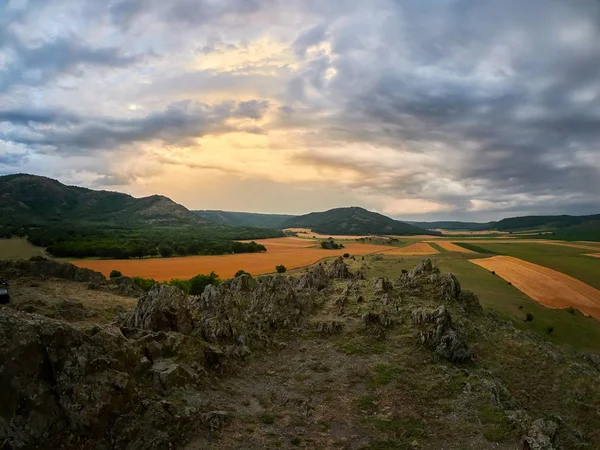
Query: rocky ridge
[[144, 382]]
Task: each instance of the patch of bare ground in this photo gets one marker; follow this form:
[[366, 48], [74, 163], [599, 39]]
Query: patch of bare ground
[[69, 301]]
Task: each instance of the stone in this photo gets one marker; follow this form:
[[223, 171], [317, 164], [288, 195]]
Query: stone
[[540, 435], [339, 269], [163, 308], [439, 335], [381, 285], [315, 278]]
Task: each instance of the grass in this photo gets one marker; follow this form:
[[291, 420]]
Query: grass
[[495, 294], [496, 426], [18, 248], [438, 248]]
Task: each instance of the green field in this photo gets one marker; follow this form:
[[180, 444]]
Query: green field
[[18, 248], [495, 294], [571, 261]]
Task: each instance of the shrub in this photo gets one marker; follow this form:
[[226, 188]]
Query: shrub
[[241, 272], [281, 269], [571, 310], [145, 283], [550, 330], [529, 317], [115, 274], [199, 282], [346, 255]]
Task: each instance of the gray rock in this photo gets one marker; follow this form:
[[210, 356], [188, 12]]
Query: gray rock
[[540, 435], [163, 308], [439, 335], [315, 278], [339, 269], [169, 374], [380, 285]]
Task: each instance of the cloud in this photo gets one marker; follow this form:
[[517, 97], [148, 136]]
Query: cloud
[[461, 109], [178, 124]]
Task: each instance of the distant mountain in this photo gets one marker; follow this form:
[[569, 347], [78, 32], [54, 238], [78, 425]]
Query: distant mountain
[[517, 223], [244, 219], [354, 221], [550, 222], [33, 200]]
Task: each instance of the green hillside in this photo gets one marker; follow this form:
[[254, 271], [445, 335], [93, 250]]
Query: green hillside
[[244, 219], [354, 221]]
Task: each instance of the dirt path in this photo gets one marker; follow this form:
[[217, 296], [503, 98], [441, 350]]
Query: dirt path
[[595, 255], [548, 287], [418, 248]]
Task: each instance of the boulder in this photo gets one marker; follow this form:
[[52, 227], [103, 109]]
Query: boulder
[[163, 308]]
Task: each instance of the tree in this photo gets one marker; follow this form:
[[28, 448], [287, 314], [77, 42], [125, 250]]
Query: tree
[[115, 274], [281, 269], [199, 282], [165, 250]]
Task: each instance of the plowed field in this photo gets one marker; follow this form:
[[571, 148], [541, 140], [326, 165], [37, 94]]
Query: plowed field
[[453, 247], [548, 287], [418, 248], [292, 252]]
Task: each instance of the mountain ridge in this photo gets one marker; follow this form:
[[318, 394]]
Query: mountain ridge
[[32, 199], [354, 220]]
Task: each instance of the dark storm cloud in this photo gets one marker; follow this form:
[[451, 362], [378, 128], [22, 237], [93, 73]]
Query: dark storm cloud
[[40, 64], [64, 132]]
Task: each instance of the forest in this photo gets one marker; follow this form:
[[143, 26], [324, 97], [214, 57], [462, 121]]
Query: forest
[[80, 241]]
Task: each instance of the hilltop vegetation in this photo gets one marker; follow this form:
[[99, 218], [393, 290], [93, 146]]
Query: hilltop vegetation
[[563, 226], [29, 200], [244, 219], [354, 221], [77, 222]]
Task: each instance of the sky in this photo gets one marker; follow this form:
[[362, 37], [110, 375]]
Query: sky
[[418, 109]]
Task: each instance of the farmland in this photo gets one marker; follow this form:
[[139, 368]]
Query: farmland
[[292, 252], [549, 287]]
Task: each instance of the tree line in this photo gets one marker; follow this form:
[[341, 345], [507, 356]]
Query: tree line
[[124, 243]]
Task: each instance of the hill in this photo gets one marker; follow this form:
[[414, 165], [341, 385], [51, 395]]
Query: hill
[[34, 200], [586, 226], [549, 222], [281, 362], [244, 219], [354, 221]]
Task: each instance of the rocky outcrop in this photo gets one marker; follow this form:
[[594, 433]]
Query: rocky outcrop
[[315, 278], [60, 378], [381, 285], [437, 333], [163, 308], [241, 314], [339, 270]]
